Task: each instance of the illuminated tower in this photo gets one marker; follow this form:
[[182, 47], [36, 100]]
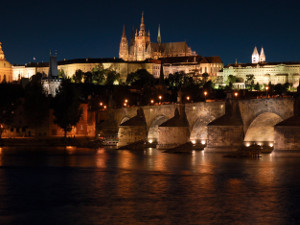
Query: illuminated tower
[[142, 41], [158, 35], [123, 52], [262, 56], [255, 56]]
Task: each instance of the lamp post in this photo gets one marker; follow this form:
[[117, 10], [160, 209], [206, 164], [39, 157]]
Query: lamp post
[[160, 98], [236, 94], [188, 98], [267, 89], [205, 94], [152, 101]]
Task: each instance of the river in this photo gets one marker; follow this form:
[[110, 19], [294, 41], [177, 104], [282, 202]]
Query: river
[[104, 186]]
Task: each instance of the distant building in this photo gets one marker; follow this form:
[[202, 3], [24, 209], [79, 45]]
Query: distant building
[[141, 48], [5, 67], [51, 83], [264, 72]]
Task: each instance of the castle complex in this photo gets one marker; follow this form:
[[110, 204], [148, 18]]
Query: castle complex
[[264, 72], [141, 47]]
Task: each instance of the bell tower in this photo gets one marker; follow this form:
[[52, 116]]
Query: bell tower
[[123, 52], [255, 56]]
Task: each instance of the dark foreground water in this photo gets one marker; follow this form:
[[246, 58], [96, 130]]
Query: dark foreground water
[[146, 187]]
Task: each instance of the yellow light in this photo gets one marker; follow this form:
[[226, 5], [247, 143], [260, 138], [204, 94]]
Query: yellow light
[[236, 94], [125, 104], [247, 144], [101, 103], [126, 100], [105, 107], [188, 98], [193, 142], [150, 141], [267, 88], [205, 93], [160, 97], [203, 142], [152, 101], [271, 145]]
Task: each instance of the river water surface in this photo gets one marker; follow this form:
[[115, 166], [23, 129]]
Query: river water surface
[[53, 186]]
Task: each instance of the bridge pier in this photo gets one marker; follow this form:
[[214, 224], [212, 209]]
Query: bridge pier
[[226, 133]]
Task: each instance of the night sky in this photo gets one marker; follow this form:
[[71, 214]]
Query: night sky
[[81, 29]]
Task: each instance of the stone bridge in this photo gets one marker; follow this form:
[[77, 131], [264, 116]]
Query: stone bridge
[[259, 117]]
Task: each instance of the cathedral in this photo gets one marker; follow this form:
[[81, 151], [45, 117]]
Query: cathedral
[[141, 48], [258, 58]]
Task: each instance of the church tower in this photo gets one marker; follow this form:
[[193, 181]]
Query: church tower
[[123, 52], [255, 56], [262, 56], [158, 35], [142, 41]]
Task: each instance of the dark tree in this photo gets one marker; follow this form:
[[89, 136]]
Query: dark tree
[[205, 77], [78, 76], [9, 102], [98, 75], [66, 107], [88, 77], [36, 105], [111, 77], [140, 79]]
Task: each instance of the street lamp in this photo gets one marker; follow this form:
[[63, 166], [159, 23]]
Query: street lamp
[[126, 100], [105, 107], [152, 101], [267, 89], [101, 103], [205, 94], [188, 98], [160, 98], [236, 94]]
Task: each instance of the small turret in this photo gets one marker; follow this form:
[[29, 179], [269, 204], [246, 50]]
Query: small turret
[[2, 57]]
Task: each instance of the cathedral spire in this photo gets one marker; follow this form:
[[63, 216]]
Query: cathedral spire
[[262, 56], [142, 26], [158, 35], [255, 56], [124, 33]]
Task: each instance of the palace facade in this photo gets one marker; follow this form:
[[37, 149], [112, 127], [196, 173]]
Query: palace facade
[[264, 72]]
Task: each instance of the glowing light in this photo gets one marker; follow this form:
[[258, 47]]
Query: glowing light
[[247, 144], [101, 103], [150, 141], [125, 104], [126, 100], [152, 101], [203, 142], [105, 107], [188, 98], [160, 97], [260, 144], [267, 88], [236, 94], [193, 142], [205, 93], [271, 145]]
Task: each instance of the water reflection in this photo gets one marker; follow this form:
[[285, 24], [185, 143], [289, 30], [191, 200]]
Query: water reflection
[[55, 186]]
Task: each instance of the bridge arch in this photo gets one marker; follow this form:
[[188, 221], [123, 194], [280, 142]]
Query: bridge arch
[[153, 129], [261, 129]]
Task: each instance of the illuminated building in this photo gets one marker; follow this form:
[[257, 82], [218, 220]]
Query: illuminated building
[[5, 67], [264, 72], [141, 47]]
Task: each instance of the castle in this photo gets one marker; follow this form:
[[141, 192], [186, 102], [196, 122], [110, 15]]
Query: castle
[[141, 48]]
